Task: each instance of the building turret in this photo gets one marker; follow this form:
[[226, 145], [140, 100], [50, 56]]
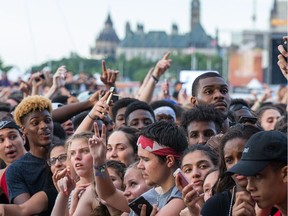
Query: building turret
[[195, 13]]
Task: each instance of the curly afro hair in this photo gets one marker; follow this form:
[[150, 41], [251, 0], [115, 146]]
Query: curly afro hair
[[30, 104]]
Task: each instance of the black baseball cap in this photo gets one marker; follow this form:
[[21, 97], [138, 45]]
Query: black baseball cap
[[9, 124], [261, 149]]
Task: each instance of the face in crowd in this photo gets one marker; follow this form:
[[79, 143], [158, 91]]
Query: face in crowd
[[81, 158], [199, 132], [208, 184], [38, 128], [134, 184], [269, 187], [269, 119], [119, 148], [150, 163], [195, 166], [232, 154], [139, 118], [215, 91], [57, 159], [120, 117], [11, 145], [116, 179]]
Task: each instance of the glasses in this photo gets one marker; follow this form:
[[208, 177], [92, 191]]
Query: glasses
[[61, 158]]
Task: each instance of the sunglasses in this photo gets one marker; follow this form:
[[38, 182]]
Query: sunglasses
[[61, 158]]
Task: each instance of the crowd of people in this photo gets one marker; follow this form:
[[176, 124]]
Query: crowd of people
[[106, 155]]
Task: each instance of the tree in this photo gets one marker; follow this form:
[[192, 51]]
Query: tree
[[134, 69]]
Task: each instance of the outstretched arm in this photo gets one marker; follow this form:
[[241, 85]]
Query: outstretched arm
[[145, 81], [58, 81], [159, 70], [72, 109], [104, 186], [99, 110]]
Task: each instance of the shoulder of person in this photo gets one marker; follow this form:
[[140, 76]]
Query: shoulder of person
[[219, 202]]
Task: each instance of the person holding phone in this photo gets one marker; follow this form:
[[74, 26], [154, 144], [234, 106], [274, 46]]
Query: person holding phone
[[196, 162]]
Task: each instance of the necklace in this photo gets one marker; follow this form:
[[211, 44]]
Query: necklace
[[232, 200], [159, 192]]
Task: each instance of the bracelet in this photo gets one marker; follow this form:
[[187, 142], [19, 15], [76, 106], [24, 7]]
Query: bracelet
[[154, 78], [91, 117], [100, 170]]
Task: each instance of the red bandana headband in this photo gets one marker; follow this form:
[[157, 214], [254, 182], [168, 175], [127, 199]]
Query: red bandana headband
[[154, 147]]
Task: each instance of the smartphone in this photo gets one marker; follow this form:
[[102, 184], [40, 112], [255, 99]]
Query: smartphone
[[183, 180], [115, 98], [285, 45], [137, 203], [40, 77], [111, 90], [247, 119]]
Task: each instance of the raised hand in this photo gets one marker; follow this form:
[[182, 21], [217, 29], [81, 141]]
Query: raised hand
[[59, 76], [162, 65], [96, 96], [25, 88], [282, 59], [37, 79], [97, 145], [101, 108], [108, 76]]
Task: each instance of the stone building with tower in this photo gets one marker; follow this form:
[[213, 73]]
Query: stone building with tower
[[106, 43], [153, 44]]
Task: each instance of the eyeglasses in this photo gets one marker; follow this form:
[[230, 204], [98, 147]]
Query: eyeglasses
[[61, 158]]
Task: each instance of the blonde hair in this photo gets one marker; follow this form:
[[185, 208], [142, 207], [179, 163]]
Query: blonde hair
[[30, 104], [83, 135]]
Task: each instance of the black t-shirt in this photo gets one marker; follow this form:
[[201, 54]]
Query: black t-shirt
[[51, 194], [217, 205], [30, 174]]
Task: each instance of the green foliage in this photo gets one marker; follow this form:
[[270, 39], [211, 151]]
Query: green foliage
[[134, 69], [4, 67], [1, 64]]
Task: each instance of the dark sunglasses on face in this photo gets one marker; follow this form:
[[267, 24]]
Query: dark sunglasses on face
[[61, 158]]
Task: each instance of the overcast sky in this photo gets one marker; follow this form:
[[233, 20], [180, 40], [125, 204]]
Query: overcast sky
[[34, 31]]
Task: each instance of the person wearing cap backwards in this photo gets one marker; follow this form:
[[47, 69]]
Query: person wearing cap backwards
[[264, 162], [11, 149], [31, 173], [211, 88]]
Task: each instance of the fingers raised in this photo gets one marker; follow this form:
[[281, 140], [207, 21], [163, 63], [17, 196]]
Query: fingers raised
[[104, 69], [166, 56]]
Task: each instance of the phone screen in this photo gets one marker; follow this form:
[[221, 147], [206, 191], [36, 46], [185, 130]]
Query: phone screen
[[136, 205]]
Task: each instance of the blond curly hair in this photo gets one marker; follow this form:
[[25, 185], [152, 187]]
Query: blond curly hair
[[30, 104]]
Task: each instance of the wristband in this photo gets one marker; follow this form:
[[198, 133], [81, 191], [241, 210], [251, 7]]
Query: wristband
[[100, 170], [154, 78], [91, 117]]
